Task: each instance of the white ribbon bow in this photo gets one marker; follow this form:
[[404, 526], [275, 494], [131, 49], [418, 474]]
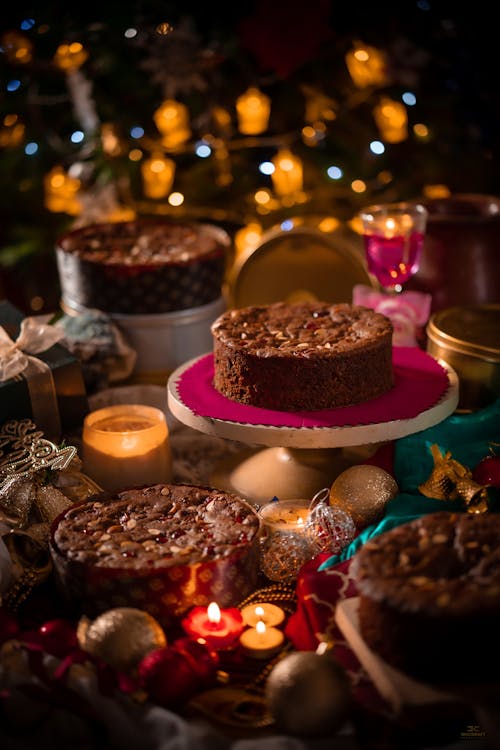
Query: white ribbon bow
[[35, 336]]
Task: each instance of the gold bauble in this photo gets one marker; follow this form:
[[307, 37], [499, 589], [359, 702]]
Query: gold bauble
[[121, 637], [363, 491], [308, 694]]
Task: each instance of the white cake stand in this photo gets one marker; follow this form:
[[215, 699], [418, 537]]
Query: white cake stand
[[299, 461]]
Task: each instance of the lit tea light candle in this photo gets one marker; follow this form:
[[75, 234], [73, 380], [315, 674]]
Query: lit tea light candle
[[270, 614], [285, 546], [220, 628], [286, 516], [261, 642], [126, 445]]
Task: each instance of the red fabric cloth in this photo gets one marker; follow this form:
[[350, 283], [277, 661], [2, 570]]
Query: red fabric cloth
[[318, 594], [420, 382], [314, 621]]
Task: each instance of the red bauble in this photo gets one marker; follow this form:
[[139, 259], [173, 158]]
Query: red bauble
[[58, 637], [9, 627], [487, 472], [202, 659], [167, 677]]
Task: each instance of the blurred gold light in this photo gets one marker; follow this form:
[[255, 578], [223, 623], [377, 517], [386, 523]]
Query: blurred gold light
[[247, 238], [12, 131], [222, 121], [328, 224], [172, 121], [356, 224], [164, 28], [391, 119], [421, 130], [176, 199], [135, 154], [61, 191], [262, 197], [367, 66], [287, 175], [436, 191], [157, 176], [253, 109], [16, 47], [384, 177], [70, 57], [110, 140], [358, 186]]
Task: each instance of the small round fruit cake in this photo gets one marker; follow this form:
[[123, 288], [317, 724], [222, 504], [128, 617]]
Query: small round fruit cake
[[142, 267], [430, 596], [303, 356], [163, 548]]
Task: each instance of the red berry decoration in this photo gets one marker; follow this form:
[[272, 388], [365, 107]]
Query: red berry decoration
[[202, 659], [167, 677], [172, 675], [487, 472], [58, 637]]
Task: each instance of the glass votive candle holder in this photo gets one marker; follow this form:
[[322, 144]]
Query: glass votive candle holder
[[285, 545], [126, 445]]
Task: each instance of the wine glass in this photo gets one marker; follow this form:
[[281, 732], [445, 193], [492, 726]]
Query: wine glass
[[393, 235]]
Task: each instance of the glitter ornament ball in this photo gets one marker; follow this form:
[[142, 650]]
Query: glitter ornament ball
[[121, 637], [329, 529], [282, 556], [308, 694], [363, 492]]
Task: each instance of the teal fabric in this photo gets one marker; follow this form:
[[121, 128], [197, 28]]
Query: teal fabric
[[468, 437]]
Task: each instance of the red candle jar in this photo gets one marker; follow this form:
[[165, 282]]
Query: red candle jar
[[220, 628]]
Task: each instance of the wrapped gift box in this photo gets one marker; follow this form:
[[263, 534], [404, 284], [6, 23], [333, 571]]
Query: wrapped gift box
[[16, 401]]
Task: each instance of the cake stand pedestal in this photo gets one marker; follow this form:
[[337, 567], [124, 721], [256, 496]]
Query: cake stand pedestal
[[300, 460]]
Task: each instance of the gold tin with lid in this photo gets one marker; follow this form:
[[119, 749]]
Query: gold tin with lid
[[468, 339]]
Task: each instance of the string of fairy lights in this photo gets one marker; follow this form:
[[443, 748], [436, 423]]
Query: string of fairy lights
[[158, 157]]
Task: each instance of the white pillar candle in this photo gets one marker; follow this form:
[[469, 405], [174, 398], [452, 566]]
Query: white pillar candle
[[126, 445]]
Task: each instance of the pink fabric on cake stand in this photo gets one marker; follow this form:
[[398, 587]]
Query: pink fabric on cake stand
[[419, 383]]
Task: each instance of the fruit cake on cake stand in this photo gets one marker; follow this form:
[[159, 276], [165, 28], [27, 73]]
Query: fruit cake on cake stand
[[306, 451]]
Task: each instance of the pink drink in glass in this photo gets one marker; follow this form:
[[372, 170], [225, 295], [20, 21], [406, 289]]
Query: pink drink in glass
[[392, 260]]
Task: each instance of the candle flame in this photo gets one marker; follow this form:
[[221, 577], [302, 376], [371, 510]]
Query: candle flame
[[213, 612], [259, 612], [300, 521], [260, 626]]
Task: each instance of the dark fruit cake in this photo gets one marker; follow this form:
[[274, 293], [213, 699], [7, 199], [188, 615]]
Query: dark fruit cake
[[303, 356], [162, 548], [145, 266], [430, 597]]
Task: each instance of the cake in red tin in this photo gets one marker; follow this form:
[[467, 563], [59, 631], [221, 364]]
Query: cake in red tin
[[303, 356], [163, 548], [144, 266], [430, 597]]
